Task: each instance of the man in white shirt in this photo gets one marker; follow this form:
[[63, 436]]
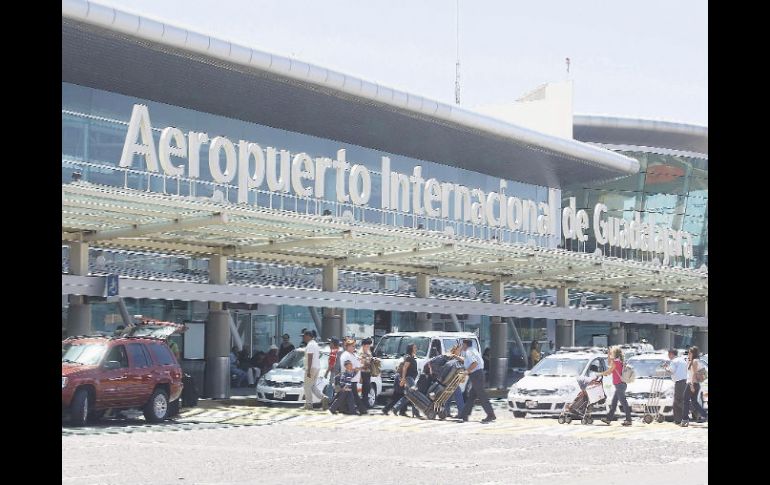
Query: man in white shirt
[[677, 366], [312, 368], [350, 354], [474, 366]]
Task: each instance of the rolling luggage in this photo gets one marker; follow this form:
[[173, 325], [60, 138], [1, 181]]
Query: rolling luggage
[[423, 383], [189, 392], [421, 402], [435, 390], [449, 371]]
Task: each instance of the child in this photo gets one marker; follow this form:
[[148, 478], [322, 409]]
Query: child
[[345, 395]]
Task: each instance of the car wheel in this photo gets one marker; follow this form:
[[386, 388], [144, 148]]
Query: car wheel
[[173, 408], [79, 407], [157, 406], [519, 414], [372, 397]]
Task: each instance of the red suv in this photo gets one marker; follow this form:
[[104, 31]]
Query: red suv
[[137, 370]]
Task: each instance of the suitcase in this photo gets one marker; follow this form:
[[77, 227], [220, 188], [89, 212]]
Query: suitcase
[[421, 402], [189, 392], [435, 390], [423, 383], [449, 371]]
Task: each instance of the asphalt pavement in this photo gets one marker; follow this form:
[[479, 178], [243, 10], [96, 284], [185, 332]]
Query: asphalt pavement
[[218, 443]]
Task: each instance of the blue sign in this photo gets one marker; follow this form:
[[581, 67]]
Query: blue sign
[[111, 287]]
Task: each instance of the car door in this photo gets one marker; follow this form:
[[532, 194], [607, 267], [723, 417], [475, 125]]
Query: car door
[[114, 383], [140, 381]]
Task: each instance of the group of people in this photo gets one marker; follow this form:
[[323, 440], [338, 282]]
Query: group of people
[[683, 371], [346, 370], [473, 362], [246, 370]]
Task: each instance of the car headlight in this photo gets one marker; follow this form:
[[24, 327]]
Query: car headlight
[[261, 381], [514, 390], [63, 382], [669, 392]]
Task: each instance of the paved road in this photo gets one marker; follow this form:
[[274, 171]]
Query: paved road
[[246, 444]]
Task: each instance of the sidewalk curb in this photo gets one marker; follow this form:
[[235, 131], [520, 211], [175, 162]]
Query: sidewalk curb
[[252, 401]]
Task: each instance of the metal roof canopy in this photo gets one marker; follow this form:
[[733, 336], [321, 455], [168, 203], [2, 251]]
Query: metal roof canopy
[[133, 219], [112, 50]]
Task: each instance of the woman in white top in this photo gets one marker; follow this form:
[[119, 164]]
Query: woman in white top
[[693, 387]]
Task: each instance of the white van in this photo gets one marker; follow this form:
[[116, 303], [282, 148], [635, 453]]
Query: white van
[[392, 347]]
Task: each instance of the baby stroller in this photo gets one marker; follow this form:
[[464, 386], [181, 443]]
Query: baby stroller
[[582, 407]]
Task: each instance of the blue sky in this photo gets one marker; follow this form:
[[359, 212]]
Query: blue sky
[[645, 59]]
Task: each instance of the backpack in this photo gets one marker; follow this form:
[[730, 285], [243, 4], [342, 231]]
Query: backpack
[[701, 374], [629, 373]]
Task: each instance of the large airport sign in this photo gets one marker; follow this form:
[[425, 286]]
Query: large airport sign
[[250, 167]]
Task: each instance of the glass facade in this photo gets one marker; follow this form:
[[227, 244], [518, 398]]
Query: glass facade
[[669, 189]]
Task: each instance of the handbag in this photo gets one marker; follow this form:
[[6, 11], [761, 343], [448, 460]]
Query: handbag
[[376, 367]]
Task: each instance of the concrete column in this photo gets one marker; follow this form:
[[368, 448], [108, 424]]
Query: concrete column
[[564, 336], [333, 323], [662, 337], [422, 322], [617, 334], [217, 372], [701, 337], [663, 305], [632, 334], [701, 334], [564, 328], [617, 301], [79, 312], [498, 333]]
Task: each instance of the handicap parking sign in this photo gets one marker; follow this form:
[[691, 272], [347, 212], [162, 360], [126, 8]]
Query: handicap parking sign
[[111, 287]]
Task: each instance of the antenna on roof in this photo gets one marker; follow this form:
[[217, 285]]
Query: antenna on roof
[[457, 66]]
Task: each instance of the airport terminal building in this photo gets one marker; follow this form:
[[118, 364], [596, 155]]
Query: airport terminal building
[[250, 195]]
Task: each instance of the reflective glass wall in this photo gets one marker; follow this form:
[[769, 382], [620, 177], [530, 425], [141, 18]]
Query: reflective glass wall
[[669, 189]]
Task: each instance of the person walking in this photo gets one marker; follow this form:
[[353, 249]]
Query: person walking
[[407, 379], [693, 387], [365, 356], [312, 368], [350, 354], [474, 366], [398, 391], [677, 366], [332, 369], [345, 396], [616, 360]]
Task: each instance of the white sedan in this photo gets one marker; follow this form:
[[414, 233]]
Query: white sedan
[[285, 382]]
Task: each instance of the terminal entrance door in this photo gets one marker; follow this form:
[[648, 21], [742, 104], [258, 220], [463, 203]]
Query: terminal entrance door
[[257, 327]]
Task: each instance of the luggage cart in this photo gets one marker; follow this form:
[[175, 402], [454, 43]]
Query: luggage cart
[[652, 407], [439, 403]]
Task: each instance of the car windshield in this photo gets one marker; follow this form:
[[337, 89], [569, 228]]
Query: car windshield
[[296, 360], [86, 354], [551, 366], [648, 367], [394, 346]]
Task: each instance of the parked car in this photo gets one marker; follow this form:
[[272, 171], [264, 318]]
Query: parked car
[[391, 348], [649, 367], [552, 383], [285, 382], [126, 372]]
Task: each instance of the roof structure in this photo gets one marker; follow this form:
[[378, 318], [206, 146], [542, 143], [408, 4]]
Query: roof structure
[[109, 49], [133, 219]]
